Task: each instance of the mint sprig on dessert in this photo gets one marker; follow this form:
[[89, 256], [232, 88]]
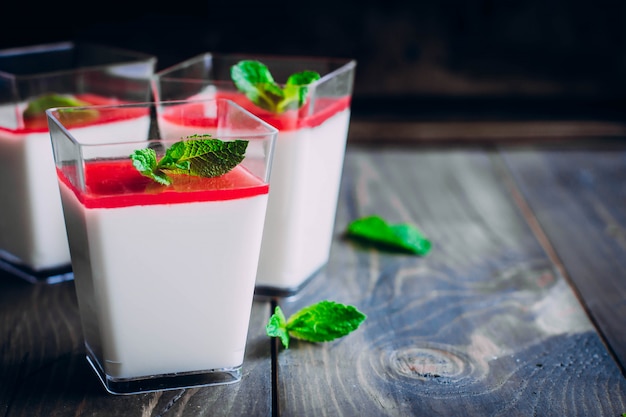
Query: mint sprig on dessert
[[39, 105], [321, 322], [198, 155], [254, 79], [375, 231]]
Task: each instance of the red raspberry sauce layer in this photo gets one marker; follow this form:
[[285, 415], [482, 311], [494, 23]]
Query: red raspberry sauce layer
[[193, 114], [115, 184], [40, 123]]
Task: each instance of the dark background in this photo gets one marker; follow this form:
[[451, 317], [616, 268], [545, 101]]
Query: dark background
[[547, 57]]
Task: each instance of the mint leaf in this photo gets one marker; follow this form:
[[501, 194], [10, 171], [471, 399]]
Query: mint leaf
[[197, 155], [254, 79], [403, 237], [38, 106], [202, 156], [321, 322], [145, 161], [324, 321], [277, 326], [299, 81]]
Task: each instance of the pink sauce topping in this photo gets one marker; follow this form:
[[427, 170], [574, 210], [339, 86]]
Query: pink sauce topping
[[192, 114], [114, 184], [40, 123]]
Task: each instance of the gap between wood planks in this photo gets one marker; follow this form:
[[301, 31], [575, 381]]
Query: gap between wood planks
[[274, 350]]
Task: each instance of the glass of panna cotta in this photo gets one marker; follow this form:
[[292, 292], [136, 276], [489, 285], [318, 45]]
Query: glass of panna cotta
[[33, 241], [165, 235], [308, 101]]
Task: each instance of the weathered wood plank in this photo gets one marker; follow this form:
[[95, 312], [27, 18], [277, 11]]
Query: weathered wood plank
[[43, 370], [484, 325], [579, 198]]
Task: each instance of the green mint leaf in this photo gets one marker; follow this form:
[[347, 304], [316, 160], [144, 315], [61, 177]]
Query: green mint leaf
[[321, 322], [38, 106], [324, 321], [145, 161], [277, 327], [202, 156], [299, 81], [254, 79], [290, 100], [402, 237], [196, 155]]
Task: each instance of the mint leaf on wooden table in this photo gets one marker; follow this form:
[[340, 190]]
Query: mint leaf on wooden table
[[321, 322], [402, 237], [198, 155], [254, 79]]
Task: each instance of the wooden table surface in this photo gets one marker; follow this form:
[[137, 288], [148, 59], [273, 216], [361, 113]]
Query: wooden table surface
[[519, 309]]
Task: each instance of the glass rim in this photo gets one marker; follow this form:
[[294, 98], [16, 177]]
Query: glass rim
[[269, 129], [131, 57], [345, 64]]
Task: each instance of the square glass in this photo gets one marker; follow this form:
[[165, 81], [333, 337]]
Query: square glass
[[308, 160], [33, 241], [164, 273]]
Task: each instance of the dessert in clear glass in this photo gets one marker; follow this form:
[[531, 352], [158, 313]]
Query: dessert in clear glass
[[33, 241], [164, 234], [312, 115]]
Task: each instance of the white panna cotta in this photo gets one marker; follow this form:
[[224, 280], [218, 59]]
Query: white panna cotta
[[32, 228], [165, 279], [305, 180]]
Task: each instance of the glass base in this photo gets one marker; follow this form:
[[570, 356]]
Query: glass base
[[47, 276], [128, 386], [261, 291]]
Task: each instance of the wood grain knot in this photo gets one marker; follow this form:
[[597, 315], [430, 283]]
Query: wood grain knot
[[435, 363]]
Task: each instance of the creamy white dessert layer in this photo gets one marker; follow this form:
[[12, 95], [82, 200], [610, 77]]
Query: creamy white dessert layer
[[32, 229], [304, 188], [165, 288]]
